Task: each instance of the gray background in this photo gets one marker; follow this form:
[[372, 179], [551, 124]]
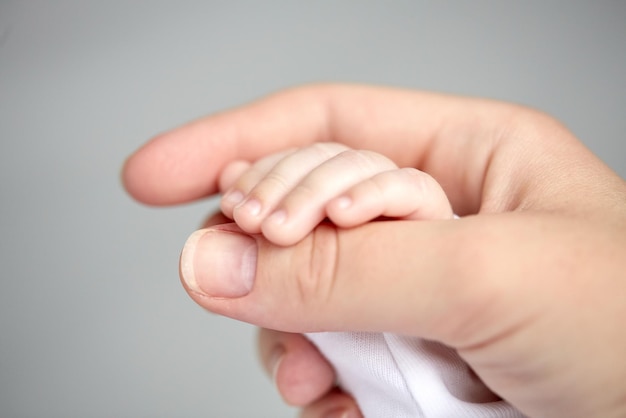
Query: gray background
[[93, 320]]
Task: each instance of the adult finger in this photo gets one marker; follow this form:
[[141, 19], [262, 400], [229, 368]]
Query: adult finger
[[451, 138], [301, 374], [241, 275], [334, 404], [458, 282]]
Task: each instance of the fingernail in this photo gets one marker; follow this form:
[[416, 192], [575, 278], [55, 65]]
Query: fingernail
[[344, 202], [279, 217], [233, 197], [219, 263], [252, 206]]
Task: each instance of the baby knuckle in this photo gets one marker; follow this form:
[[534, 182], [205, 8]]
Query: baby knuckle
[[367, 161], [327, 150], [276, 180], [421, 181]]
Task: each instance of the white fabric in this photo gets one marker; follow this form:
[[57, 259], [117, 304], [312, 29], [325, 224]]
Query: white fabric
[[403, 377]]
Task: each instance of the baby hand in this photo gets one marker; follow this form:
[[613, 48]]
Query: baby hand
[[285, 195]]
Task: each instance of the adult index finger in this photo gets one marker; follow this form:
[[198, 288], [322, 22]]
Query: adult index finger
[[449, 137]]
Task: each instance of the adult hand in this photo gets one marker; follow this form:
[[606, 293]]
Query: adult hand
[[528, 286]]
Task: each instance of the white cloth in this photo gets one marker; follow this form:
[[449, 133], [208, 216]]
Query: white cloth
[[403, 377]]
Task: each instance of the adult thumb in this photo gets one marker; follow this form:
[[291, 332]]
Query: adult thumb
[[383, 276]]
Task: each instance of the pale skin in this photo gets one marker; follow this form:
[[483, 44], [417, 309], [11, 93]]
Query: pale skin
[[528, 285], [285, 195]]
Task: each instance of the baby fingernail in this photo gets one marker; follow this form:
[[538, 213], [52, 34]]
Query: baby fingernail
[[252, 206], [279, 217], [233, 197], [344, 202]]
